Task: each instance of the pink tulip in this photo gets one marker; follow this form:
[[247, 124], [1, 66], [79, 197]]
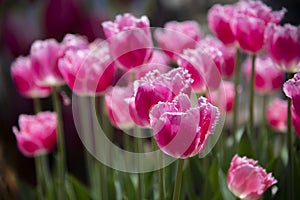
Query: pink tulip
[[44, 56], [277, 115], [155, 87], [224, 98], [291, 89], [180, 130], [220, 22], [117, 106], [264, 65], [88, 71], [159, 61], [129, 40], [71, 41], [251, 19], [37, 133], [23, 76], [296, 121], [177, 36], [247, 180], [201, 65], [223, 57], [283, 45]]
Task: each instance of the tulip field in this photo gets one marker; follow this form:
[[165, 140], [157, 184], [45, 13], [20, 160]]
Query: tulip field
[[131, 105]]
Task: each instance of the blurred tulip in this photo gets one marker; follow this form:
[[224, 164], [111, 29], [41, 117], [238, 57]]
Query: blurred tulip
[[117, 106], [202, 67], [283, 45], [129, 40], [71, 41], [277, 115], [251, 19], [24, 78], [220, 22], [44, 56], [223, 99], [88, 71], [264, 84], [247, 180], [291, 89], [296, 121], [177, 36], [180, 130], [37, 133], [155, 87]]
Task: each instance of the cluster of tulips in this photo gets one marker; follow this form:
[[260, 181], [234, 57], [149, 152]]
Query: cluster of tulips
[[179, 92]]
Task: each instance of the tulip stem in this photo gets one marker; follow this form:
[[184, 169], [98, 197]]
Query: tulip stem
[[39, 174], [236, 96], [139, 146], [177, 187], [60, 145], [161, 180], [290, 146], [251, 96]]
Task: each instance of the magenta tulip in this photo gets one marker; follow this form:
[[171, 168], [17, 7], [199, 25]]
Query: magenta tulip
[[37, 134], [283, 45], [296, 121], [247, 180], [44, 56], [291, 89], [180, 130], [277, 115], [220, 22], [177, 36], [129, 40], [88, 71], [25, 80], [155, 87], [264, 65]]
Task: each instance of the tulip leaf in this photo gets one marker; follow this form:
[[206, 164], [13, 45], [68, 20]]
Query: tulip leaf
[[226, 194], [76, 188], [244, 146]]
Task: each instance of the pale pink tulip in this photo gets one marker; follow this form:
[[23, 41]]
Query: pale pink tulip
[[180, 130], [44, 56], [129, 40], [247, 180], [177, 36], [37, 134], [88, 71], [25, 80], [283, 45], [268, 78], [277, 115]]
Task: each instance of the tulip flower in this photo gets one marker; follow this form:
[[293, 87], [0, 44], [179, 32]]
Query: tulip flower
[[44, 56], [155, 87], [25, 80], [291, 89], [296, 121], [177, 36], [264, 65], [37, 134], [283, 45], [247, 180], [220, 22], [129, 40], [71, 41], [223, 99], [180, 130], [277, 115], [117, 107], [88, 71], [251, 19], [201, 65]]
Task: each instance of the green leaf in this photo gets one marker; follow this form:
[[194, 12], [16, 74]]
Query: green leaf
[[77, 189], [213, 176], [227, 195], [244, 146]]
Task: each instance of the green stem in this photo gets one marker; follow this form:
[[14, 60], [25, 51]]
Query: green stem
[[251, 96], [264, 110], [236, 96], [161, 181], [60, 146], [39, 174], [290, 147], [37, 105], [139, 146], [177, 187]]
